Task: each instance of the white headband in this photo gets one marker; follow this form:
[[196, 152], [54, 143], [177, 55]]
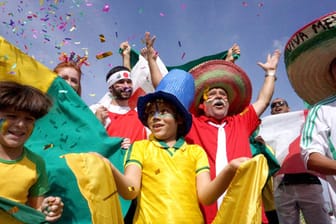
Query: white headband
[[118, 76]]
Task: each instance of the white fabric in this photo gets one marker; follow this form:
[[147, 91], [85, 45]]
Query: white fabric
[[221, 158], [280, 130], [319, 131], [105, 101], [141, 76]]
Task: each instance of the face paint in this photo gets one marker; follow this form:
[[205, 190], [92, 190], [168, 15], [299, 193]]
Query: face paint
[[3, 125], [128, 89], [162, 114]]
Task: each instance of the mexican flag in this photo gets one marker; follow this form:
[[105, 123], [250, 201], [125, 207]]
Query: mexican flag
[[84, 182], [282, 133]]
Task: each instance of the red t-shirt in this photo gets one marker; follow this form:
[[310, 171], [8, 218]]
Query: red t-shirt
[[126, 126]]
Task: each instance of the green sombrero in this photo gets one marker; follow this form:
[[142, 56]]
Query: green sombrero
[[226, 75], [308, 55]]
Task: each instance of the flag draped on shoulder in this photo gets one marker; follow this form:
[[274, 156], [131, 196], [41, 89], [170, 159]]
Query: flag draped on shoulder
[[69, 127]]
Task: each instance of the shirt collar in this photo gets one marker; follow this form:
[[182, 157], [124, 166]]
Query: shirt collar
[[164, 145]]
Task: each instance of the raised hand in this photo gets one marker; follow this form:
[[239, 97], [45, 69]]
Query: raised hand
[[271, 63], [125, 48], [233, 53]]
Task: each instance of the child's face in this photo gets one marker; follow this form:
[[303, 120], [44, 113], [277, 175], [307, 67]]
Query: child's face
[[15, 128], [161, 121]]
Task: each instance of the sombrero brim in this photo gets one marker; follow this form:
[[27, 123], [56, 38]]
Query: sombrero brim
[[308, 55], [144, 100], [226, 75]]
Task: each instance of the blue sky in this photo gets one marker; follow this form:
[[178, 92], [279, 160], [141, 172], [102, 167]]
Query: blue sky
[[185, 30]]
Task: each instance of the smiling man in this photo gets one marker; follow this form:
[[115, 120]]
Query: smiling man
[[279, 106]]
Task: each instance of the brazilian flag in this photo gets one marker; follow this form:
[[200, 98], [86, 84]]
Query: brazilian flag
[[63, 137]]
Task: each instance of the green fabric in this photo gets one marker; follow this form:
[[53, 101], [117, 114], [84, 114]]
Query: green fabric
[[134, 57], [71, 127], [21, 212], [260, 148]]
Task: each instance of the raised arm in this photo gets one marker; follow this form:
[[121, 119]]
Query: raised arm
[[209, 191], [125, 51], [150, 54], [266, 92]]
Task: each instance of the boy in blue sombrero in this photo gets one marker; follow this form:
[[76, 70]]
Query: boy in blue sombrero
[[169, 177]]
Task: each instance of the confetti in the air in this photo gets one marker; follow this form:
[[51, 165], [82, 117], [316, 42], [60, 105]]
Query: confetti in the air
[[102, 38], [106, 8], [104, 55]]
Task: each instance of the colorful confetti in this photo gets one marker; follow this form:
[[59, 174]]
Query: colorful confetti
[[48, 146], [106, 8], [102, 38], [104, 55]]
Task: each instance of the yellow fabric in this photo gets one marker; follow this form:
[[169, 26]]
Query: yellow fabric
[[23, 174], [6, 218], [268, 196], [268, 192], [168, 191], [98, 188], [19, 67], [242, 202]]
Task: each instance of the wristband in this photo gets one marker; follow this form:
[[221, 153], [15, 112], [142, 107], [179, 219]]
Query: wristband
[[271, 75]]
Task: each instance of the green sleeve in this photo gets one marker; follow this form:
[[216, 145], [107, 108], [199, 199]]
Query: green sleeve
[[41, 185]]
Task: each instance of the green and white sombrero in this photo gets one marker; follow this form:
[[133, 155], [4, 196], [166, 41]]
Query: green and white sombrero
[[226, 75], [308, 55]]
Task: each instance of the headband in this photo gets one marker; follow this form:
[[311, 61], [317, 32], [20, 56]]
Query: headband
[[115, 77]]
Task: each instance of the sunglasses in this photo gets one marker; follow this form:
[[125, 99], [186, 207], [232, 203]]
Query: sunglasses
[[278, 104]]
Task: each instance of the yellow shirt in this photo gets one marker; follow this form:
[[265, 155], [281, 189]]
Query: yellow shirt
[[168, 187], [24, 177]]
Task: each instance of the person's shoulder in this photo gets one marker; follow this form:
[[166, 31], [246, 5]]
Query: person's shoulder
[[36, 158]]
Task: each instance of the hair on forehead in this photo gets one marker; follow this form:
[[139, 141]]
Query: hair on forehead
[[159, 102], [24, 98]]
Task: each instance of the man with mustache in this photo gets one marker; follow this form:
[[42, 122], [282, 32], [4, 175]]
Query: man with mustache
[[223, 118]]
